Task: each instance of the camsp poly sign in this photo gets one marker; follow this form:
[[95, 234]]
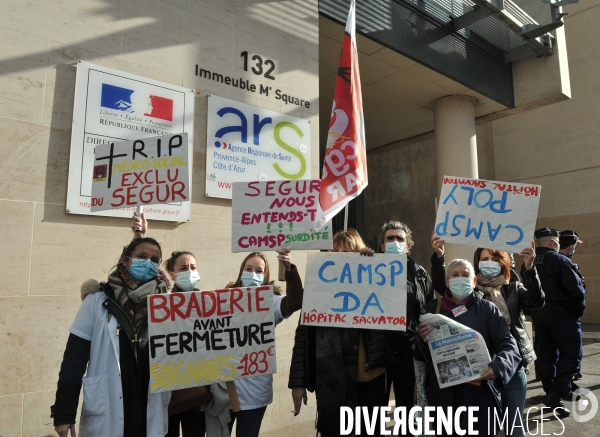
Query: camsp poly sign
[[274, 214], [113, 106], [490, 214], [151, 171], [204, 337], [347, 290], [247, 143]]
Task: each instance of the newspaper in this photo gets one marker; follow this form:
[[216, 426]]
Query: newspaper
[[458, 352]]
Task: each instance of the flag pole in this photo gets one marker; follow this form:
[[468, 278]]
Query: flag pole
[[346, 216]]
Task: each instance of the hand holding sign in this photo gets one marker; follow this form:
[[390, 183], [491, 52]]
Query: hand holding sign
[[438, 245], [139, 224], [529, 255]]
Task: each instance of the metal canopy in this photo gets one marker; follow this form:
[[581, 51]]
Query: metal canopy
[[500, 22]]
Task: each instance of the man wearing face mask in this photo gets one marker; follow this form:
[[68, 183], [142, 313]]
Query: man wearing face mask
[[568, 243], [396, 238], [557, 325]]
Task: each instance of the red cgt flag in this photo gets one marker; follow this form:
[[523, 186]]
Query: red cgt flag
[[345, 162]]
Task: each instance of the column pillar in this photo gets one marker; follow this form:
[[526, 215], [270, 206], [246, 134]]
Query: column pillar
[[455, 150]]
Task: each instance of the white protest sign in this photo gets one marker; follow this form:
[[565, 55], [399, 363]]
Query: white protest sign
[[204, 337], [490, 214], [347, 290], [112, 106], [274, 214], [246, 143], [148, 171]]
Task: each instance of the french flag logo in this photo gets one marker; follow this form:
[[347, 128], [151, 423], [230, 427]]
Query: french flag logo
[[136, 102]]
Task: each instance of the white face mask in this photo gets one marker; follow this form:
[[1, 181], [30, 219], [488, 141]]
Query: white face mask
[[395, 247], [187, 280], [251, 279]]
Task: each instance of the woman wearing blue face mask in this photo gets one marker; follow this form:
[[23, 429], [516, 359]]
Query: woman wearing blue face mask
[[257, 392], [108, 344], [493, 271], [461, 298]]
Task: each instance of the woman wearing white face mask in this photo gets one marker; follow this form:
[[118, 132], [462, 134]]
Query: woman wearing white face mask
[[257, 392], [492, 268], [472, 310]]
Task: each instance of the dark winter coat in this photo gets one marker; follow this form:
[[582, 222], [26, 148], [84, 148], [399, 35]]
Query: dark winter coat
[[484, 317], [518, 296]]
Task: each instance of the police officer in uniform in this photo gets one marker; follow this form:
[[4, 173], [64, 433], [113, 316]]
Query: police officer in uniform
[[557, 325], [568, 243]]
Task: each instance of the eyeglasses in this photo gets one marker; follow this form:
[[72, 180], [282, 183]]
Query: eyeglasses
[[394, 237], [143, 256]]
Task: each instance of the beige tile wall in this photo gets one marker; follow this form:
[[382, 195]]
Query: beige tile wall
[[51, 253]]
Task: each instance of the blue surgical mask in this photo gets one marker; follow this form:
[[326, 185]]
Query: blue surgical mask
[[571, 253], [142, 271], [187, 280], [251, 279], [489, 269], [461, 287], [395, 247]]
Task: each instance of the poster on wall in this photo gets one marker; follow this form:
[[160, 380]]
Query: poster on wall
[[150, 171], [492, 214], [246, 143], [275, 214], [348, 290], [205, 337], [114, 106]]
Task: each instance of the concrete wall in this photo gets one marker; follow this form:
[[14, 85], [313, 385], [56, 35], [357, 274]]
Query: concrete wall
[[402, 186], [49, 253]]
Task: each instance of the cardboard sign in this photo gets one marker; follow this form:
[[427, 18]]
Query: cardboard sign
[[347, 290], [151, 171], [113, 106], [274, 214], [204, 337], [489, 214], [246, 143]]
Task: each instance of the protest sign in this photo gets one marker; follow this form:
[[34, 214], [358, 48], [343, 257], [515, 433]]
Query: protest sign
[[459, 353], [150, 171], [274, 214], [204, 337], [347, 290], [490, 214]]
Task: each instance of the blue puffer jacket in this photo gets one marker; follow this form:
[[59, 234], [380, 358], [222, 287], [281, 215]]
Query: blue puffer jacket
[[484, 317]]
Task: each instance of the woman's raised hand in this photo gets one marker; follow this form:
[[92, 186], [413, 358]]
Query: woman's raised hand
[[139, 225], [285, 256], [529, 255], [438, 244], [367, 251]]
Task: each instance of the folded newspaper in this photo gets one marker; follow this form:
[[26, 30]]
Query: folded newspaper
[[458, 352]]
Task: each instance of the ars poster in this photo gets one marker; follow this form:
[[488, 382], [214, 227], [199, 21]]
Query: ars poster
[[492, 214], [112, 106]]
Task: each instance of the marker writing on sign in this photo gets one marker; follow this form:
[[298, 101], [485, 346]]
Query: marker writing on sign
[[479, 198]]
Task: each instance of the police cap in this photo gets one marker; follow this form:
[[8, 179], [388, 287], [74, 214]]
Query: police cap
[[568, 237], [546, 232]]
